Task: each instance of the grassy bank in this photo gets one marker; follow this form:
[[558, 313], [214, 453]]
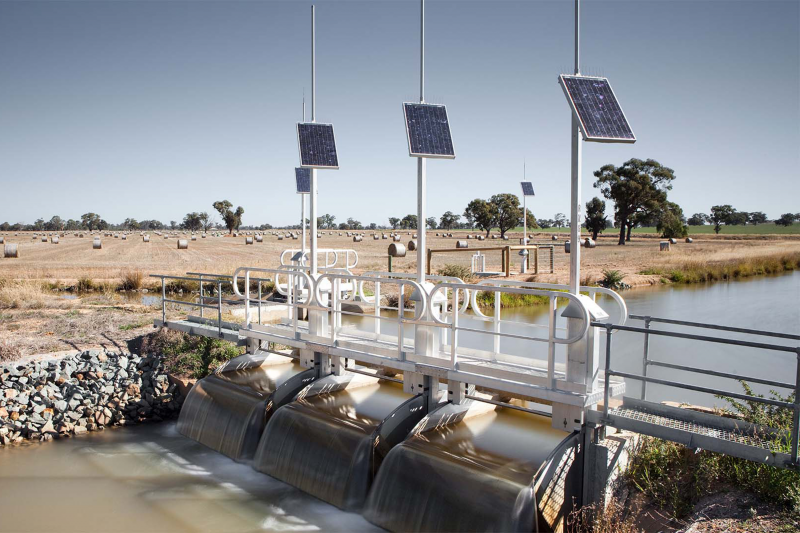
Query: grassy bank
[[675, 478], [703, 271]]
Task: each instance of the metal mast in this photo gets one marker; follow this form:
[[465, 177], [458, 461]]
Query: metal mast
[[575, 200], [313, 119], [421, 161], [303, 196]]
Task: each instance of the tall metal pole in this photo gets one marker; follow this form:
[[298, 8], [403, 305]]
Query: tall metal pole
[[524, 209], [575, 200], [313, 119], [303, 196], [421, 161]]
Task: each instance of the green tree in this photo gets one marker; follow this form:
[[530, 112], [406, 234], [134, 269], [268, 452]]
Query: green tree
[[698, 219], [205, 220], [757, 217], [482, 214], [130, 224], [448, 220], [354, 224], [431, 222], [532, 224], [90, 221], [636, 188], [54, 224], [192, 222], [786, 219], [508, 214], [595, 216], [394, 222], [721, 214], [232, 219], [670, 221], [409, 222]]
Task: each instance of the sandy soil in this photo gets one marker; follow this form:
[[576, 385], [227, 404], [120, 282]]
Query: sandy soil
[[74, 257]]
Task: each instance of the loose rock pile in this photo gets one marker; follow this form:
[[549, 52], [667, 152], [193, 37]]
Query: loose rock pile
[[88, 391]]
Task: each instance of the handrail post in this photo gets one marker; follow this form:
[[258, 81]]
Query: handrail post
[[796, 418], [259, 300], [219, 307], [163, 301], [454, 337], [201, 295], [551, 345], [400, 312], [607, 388], [646, 355], [247, 297]]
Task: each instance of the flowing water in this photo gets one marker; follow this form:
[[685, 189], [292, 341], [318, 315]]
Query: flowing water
[[324, 444], [474, 475], [227, 410], [152, 477]]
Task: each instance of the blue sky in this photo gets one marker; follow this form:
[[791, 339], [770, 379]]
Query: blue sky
[[154, 109]]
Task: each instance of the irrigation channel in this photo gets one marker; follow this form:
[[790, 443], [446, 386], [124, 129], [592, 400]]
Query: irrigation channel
[[330, 445]]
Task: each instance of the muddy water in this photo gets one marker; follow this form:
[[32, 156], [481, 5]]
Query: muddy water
[[150, 478]]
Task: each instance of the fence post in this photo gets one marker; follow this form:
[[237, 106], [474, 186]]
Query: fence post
[[201, 296], [607, 391], [796, 420], [454, 337], [646, 356], [163, 302], [259, 301], [219, 307]]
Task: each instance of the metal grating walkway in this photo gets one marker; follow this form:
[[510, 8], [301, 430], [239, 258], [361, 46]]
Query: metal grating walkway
[[700, 430]]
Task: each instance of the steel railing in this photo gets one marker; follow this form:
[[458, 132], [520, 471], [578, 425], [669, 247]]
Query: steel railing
[[331, 257], [647, 331]]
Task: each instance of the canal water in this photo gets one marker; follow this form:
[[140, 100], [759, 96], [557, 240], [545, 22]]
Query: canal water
[[152, 478]]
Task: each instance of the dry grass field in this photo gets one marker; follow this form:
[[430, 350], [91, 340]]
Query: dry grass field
[[74, 259]]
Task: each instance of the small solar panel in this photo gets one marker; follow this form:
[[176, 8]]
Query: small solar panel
[[317, 145], [527, 188], [428, 131], [303, 177], [598, 111]]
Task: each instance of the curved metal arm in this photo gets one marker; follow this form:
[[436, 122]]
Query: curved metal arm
[[410, 275], [401, 282], [277, 272], [511, 290], [623, 308]]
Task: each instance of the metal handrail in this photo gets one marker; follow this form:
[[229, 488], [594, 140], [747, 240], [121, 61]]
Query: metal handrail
[[409, 275], [647, 331], [718, 327], [347, 252], [200, 304]]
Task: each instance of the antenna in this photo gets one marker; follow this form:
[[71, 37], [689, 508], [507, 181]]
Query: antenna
[[422, 180], [575, 196], [313, 194]]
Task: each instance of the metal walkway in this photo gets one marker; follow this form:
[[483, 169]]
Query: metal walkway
[[699, 430], [694, 429]]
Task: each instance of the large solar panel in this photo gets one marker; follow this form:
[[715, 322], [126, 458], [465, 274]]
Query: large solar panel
[[598, 111], [303, 177], [317, 145], [527, 188], [428, 131]]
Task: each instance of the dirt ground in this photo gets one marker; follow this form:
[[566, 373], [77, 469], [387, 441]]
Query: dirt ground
[[73, 258]]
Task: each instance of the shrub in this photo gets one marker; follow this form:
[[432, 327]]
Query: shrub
[[8, 352], [132, 280], [457, 271], [598, 519], [612, 279], [189, 355], [21, 295]]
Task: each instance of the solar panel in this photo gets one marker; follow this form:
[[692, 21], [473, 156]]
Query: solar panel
[[303, 177], [527, 188], [317, 145], [598, 111], [428, 131]]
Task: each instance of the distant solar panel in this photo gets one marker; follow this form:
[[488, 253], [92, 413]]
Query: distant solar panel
[[317, 145], [598, 111], [303, 177], [428, 131], [527, 188]]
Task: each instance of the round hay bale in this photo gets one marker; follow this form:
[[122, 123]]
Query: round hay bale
[[375, 237], [166, 236], [124, 237], [357, 238], [412, 245], [589, 243], [183, 244], [462, 244], [689, 240], [2, 239], [396, 238], [469, 236], [554, 237], [505, 237], [663, 246], [567, 247], [203, 235], [397, 250], [248, 240], [259, 238], [96, 244], [11, 251], [194, 237], [145, 238], [384, 236], [54, 240], [673, 241], [481, 237], [44, 239]]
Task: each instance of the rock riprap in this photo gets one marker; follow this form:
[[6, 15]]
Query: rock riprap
[[88, 391]]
